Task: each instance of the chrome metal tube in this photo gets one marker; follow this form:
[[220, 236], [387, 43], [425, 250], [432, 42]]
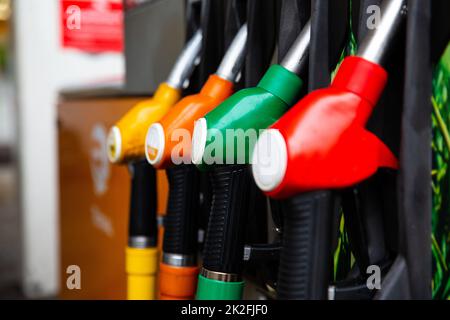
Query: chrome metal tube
[[297, 56], [234, 57], [186, 62], [220, 276], [374, 45], [139, 242], [178, 260]]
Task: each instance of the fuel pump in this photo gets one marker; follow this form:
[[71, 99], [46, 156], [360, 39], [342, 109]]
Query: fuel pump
[[255, 109], [126, 146], [319, 146], [178, 270]]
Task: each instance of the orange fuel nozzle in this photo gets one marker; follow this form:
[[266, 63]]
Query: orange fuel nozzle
[[169, 141]]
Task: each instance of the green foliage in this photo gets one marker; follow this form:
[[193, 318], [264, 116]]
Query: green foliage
[[441, 179], [343, 259]]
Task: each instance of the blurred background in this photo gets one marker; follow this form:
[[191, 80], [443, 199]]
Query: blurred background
[[35, 64], [62, 67], [9, 219]]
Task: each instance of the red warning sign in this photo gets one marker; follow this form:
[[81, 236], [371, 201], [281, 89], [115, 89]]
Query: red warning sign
[[92, 25]]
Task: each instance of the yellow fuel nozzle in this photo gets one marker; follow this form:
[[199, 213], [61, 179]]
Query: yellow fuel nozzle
[[126, 139], [125, 145]]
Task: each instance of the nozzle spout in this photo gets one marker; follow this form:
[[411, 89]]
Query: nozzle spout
[[234, 57], [374, 45], [186, 62], [297, 56]]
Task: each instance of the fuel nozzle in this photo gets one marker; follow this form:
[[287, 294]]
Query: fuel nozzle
[[163, 137], [319, 146], [178, 270], [232, 187], [125, 144], [141, 258], [127, 138], [303, 137], [252, 108]]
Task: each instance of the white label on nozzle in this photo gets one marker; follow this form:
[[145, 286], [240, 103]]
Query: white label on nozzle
[[154, 143], [269, 161]]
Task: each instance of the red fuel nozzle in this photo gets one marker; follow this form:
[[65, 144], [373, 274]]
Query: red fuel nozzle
[[322, 143]]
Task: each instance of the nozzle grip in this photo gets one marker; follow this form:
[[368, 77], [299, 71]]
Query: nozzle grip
[[306, 258], [180, 223], [142, 224], [224, 242]]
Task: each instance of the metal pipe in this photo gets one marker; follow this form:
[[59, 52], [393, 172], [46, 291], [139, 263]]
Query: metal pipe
[[374, 45], [186, 62], [232, 62], [178, 260], [297, 56]]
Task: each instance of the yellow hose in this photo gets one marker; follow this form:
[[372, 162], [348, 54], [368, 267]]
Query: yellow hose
[[141, 268]]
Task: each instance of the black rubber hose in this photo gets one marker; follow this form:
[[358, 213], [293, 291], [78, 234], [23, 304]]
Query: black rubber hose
[[143, 203], [181, 220], [306, 257]]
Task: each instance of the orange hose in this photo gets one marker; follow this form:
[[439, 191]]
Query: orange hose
[[177, 283]]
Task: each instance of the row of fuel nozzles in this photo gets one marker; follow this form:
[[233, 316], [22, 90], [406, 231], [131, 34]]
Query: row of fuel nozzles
[[318, 142]]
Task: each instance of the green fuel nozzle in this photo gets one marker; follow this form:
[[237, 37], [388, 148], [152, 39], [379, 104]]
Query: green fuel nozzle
[[217, 139]]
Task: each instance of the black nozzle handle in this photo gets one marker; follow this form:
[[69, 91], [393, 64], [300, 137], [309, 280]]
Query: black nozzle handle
[[180, 222], [306, 254], [224, 242], [142, 231]]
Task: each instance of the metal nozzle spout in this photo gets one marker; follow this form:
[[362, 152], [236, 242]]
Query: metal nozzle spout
[[297, 56], [186, 62], [234, 57], [374, 45]]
